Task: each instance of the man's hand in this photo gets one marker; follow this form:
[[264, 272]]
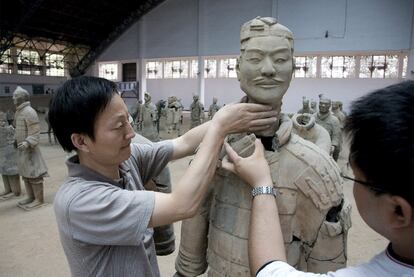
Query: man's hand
[[23, 145], [254, 170], [244, 117]]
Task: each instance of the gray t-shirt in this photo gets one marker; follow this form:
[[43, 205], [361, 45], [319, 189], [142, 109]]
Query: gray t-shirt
[[103, 224]]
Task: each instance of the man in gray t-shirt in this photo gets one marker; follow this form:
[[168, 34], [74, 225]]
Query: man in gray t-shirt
[[105, 217]]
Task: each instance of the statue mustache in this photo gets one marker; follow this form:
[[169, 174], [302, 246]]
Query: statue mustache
[[269, 81]]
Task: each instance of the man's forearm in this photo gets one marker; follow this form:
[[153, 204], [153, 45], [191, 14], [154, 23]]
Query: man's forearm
[[265, 235]]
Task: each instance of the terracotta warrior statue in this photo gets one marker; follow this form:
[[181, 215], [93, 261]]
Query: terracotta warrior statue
[[213, 108], [305, 106], [148, 119], [8, 160], [197, 112], [31, 164], [336, 111], [311, 204], [313, 106], [325, 118], [304, 125], [164, 238], [174, 113]]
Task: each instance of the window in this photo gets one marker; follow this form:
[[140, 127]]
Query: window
[[338, 67], [210, 68], [176, 69], [108, 71], [55, 65], [228, 68], [28, 62], [305, 67], [6, 62], [379, 66], [194, 69], [154, 70], [404, 67]]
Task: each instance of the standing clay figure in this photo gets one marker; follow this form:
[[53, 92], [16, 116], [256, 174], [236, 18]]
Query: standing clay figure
[[8, 160], [31, 165], [313, 106], [164, 238], [305, 107], [135, 112], [148, 119], [174, 113], [197, 112], [313, 215], [341, 107], [336, 111], [325, 118], [304, 125], [213, 108]]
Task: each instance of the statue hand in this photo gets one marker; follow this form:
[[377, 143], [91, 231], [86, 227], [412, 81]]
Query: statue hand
[[23, 145]]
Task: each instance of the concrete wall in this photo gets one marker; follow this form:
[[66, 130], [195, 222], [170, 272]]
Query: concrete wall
[[181, 28]]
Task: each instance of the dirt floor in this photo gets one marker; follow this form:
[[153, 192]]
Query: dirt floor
[[29, 241]]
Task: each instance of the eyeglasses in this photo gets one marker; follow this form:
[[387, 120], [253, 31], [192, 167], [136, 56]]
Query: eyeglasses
[[367, 184]]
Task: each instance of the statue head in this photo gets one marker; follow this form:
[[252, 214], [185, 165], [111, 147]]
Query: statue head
[[305, 103], [335, 105], [324, 104], [195, 98], [313, 104], [215, 100], [147, 97], [340, 105], [20, 95], [265, 65]]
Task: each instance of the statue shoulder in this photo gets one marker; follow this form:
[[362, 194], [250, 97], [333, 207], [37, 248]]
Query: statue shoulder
[[318, 176]]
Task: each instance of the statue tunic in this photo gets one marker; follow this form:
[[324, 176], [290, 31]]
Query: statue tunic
[[8, 154], [30, 161]]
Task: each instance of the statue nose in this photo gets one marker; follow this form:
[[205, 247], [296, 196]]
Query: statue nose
[[268, 69]]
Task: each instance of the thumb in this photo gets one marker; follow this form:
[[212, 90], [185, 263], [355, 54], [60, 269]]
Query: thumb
[[227, 165], [258, 148], [231, 154]]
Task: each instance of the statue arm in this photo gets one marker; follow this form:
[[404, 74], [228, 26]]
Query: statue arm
[[33, 130]]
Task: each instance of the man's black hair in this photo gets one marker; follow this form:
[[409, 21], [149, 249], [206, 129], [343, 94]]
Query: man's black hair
[[381, 128], [76, 105]]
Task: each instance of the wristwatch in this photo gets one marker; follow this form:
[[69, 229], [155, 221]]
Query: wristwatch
[[264, 190]]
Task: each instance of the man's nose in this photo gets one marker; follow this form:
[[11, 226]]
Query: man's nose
[[130, 132], [268, 69]]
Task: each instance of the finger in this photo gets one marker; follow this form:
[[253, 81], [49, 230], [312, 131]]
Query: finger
[[255, 107], [258, 149], [263, 121], [227, 165], [232, 155], [258, 128], [264, 114]]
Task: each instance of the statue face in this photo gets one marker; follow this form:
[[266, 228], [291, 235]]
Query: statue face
[[324, 106], [195, 98], [265, 69], [335, 105], [18, 98], [305, 103], [214, 100], [147, 98]]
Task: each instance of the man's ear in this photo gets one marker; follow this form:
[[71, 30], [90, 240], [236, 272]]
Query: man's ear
[[238, 68], [80, 142], [403, 212]]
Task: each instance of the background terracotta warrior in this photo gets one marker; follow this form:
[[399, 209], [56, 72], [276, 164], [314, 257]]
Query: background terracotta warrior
[[8, 160], [305, 106], [31, 165], [197, 112], [336, 111], [328, 121], [174, 113], [213, 108], [148, 119], [310, 199]]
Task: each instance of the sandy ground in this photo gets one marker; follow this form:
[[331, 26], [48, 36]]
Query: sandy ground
[[30, 246]]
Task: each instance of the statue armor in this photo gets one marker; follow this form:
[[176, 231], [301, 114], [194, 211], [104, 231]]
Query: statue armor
[[304, 125], [309, 189], [212, 110], [174, 111]]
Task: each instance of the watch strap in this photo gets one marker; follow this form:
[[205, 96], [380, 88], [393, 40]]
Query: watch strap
[[264, 190]]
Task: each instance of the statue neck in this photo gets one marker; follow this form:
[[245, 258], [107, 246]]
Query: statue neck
[[271, 131]]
